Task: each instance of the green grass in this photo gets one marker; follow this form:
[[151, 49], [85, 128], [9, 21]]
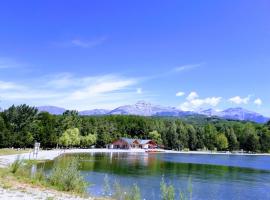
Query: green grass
[[23, 176], [62, 178], [49, 198]]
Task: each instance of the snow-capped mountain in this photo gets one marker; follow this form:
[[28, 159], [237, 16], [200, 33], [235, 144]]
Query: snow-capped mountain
[[147, 109], [209, 112], [175, 113], [243, 114], [236, 114], [143, 108], [94, 112], [51, 109]]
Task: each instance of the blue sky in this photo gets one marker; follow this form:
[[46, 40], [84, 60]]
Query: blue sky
[[102, 54]]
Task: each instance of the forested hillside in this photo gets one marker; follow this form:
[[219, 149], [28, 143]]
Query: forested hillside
[[21, 125]]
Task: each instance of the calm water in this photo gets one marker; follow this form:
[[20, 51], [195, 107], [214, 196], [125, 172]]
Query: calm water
[[211, 176]]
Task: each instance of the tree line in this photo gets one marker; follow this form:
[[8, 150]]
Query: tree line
[[21, 125]]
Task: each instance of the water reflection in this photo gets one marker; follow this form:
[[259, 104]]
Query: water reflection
[[215, 179]]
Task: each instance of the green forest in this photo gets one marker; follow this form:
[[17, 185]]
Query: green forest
[[21, 125]]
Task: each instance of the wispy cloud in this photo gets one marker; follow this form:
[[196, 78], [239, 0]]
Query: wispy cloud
[[187, 67], [83, 43], [175, 70], [66, 90], [89, 43], [102, 86], [9, 86]]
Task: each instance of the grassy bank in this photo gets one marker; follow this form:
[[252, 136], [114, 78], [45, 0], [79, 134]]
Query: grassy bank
[[21, 182], [10, 151], [65, 177]]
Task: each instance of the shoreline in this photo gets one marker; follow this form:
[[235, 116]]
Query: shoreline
[[17, 190], [6, 160]]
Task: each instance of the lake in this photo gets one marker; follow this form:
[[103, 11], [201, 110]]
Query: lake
[[238, 177]]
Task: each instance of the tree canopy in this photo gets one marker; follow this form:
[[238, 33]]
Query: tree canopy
[[21, 125]]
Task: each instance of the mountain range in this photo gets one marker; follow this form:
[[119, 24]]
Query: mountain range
[[143, 108]]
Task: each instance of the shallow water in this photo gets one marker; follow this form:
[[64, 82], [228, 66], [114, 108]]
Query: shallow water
[[209, 176]]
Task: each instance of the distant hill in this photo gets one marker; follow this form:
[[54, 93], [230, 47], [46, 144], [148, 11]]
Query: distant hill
[[94, 112], [237, 114], [51, 109], [143, 108]]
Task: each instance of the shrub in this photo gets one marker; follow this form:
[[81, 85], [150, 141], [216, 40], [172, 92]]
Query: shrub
[[167, 191], [66, 177], [134, 193]]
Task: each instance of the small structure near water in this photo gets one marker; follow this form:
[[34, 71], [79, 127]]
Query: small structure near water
[[127, 143]]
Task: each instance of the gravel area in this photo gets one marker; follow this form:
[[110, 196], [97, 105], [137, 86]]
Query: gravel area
[[19, 191]]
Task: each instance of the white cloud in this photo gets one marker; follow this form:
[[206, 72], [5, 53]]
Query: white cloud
[[102, 85], [8, 85], [71, 92], [239, 100], [139, 90], [180, 94], [192, 95], [193, 102], [258, 101]]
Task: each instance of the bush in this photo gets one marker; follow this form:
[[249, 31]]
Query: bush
[[66, 177]]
